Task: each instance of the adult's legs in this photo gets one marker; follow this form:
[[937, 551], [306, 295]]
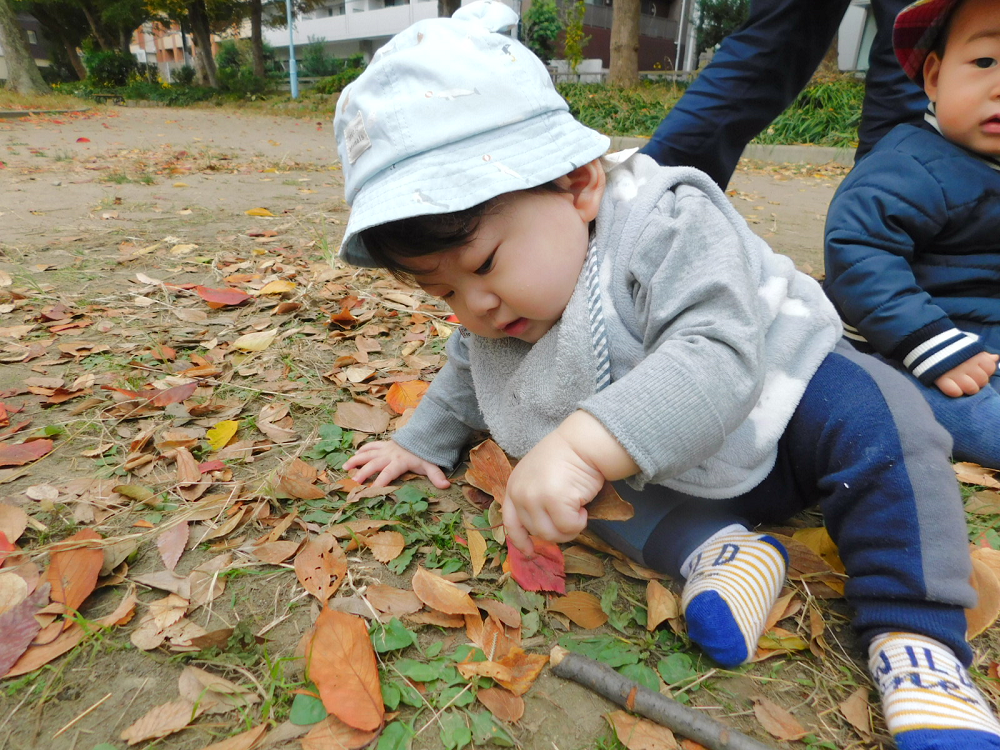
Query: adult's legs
[[756, 73], [891, 98]]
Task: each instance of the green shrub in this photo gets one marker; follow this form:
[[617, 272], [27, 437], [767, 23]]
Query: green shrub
[[717, 19], [826, 113], [109, 67], [616, 111], [316, 62], [542, 27], [336, 83], [183, 76]]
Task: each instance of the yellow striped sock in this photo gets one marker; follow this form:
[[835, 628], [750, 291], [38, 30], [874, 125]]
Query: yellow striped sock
[[926, 691], [733, 582]]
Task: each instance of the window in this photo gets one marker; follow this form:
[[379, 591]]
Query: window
[[32, 37]]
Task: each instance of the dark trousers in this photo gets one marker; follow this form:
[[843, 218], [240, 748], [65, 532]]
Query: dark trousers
[[863, 446], [759, 70]]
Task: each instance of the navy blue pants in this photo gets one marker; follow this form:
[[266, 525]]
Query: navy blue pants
[[758, 71], [863, 446]]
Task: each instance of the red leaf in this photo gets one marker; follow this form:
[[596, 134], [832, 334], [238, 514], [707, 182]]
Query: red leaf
[[173, 395], [546, 571], [73, 572], [83, 140], [22, 453], [217, 298], [208, 466], [18, 625], [5, 548]]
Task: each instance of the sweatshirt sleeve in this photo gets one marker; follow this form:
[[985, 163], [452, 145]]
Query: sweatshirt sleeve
[[888, 209], [448, 413], [698, 311]]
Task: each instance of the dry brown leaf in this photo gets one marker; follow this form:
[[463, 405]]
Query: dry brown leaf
[[819, 541], [442, 595], [73, 572], [806, 566], [37, 656], [406, 395], [257, 341], [969, 473], [321, 566], [661, 605], [777, 721], [477, 550], [491, 669], [13, 591], [489, 469], [206, 582], [275, 422], [161, 721], [582, 607], [171, 544], [243, 741], [393, 601], [212, 692], [525, 669], [386, 546], [502, 703], [987, 586], [582, 562], [434, 617], [275, 552], [507, 614], [333, 734], [858, 713], [634, 570], [779, 610], [352, 415], [13, 521], [342, 665], [609, 506], [637, 733]]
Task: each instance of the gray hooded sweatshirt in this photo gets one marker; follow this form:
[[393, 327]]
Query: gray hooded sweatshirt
[[713, 338]]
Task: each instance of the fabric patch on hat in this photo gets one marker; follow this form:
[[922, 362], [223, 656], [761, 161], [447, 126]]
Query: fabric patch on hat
[[356, 138]]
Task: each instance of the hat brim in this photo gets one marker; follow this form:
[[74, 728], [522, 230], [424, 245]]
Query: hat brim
[[916, 31], [517, 156]]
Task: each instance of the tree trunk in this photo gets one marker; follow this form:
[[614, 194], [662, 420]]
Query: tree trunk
[[447, 7], [624, 43], [202, 33], [97, 28], [74, 59], [256, 37], [23, 75]]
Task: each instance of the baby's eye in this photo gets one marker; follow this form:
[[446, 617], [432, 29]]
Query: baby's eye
[[487, 265], [984, 62]]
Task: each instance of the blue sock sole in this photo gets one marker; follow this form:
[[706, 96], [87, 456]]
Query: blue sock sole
[[711, 625], [946, 739]]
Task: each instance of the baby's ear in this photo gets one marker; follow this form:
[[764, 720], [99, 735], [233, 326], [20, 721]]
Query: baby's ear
[[586, 184], [932, 69]]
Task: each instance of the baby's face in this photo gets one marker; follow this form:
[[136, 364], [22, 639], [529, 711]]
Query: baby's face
[[517, 275], [965, 83]]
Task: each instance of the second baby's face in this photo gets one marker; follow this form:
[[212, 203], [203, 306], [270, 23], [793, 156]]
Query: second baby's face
[[515, 278], [964, 84]]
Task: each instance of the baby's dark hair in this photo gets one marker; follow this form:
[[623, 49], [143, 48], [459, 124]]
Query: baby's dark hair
[[391, 245], [942, 38]]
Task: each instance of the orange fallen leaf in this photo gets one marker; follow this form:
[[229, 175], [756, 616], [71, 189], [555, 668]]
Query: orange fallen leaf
[[161, 721], [341, 663], [987, 608], [661, 605], [582, 607], [386, 546], [393, 601], [609, 506], [406, 395], [502, 703], [333, 734], [73, 572], [777, 721], [442, 595], [242, 741], [321, 566], [525, 669], [636, 733], [857, 712], [217, 298], [489, 469]]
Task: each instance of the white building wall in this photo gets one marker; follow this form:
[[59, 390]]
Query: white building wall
[[358, 22]]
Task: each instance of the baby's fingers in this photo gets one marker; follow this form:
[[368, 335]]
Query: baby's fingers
[[437, 477], [516, 532]]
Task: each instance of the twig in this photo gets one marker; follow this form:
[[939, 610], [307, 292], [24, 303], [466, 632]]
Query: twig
[[629, 694], [82, 715]]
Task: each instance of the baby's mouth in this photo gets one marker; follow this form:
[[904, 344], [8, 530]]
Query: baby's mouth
[[992, 125]]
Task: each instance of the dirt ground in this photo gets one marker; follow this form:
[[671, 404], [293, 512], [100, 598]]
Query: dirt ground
[[102, 212]]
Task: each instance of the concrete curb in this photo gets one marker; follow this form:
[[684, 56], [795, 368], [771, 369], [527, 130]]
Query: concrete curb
[[11, 114], [772, 154]]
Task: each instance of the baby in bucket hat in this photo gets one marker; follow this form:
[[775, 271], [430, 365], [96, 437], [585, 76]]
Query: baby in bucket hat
[[912, 248], [621, 324]]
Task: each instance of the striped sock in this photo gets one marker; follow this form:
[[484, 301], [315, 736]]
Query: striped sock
[[928, 699], [733, 580]]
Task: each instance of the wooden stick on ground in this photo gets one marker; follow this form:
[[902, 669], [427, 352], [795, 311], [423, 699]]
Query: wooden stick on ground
[[630, 695]]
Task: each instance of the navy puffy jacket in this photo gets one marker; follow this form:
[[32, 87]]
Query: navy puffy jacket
[[913, 250]]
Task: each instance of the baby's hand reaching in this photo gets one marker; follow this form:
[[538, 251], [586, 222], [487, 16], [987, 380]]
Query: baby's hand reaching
[[390, 460], [969, 377]]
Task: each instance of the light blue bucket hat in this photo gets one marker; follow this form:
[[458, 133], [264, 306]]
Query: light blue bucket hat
[[448, 114]]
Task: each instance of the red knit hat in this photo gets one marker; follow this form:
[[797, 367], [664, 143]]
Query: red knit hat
[[916, 33]]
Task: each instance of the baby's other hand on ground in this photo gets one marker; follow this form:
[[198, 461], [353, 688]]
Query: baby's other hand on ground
[[969, 377], [547, 492], [390, 460]]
